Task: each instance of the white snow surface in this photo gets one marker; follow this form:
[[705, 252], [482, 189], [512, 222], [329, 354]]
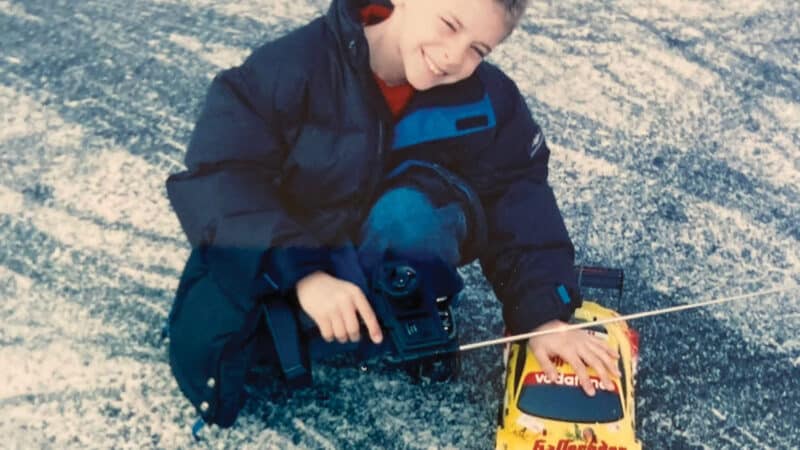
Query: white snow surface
[[675, 135]]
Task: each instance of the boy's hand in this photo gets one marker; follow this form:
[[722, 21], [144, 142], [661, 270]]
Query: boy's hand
[[579, 349], [333, 303]]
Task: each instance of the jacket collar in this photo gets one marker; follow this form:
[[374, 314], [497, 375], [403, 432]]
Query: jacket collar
[[344, 22], [343, 19]]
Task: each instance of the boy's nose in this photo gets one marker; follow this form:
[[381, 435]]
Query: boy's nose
[[452, 59], [454, 53]]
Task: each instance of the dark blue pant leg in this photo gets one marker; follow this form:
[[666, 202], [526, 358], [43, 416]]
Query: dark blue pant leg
[[404, 223]]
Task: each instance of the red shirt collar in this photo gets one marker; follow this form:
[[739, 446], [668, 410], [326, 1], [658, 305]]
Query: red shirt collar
[[397, 97]]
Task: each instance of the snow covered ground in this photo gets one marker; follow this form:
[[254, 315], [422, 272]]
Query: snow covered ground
[[675, 128]]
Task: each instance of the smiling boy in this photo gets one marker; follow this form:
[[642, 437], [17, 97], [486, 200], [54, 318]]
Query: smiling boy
[[376, 130]]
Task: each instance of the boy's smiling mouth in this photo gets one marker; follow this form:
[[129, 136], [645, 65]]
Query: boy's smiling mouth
[[432, 66]]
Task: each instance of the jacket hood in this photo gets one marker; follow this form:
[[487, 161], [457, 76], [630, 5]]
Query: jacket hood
[[344, 22]]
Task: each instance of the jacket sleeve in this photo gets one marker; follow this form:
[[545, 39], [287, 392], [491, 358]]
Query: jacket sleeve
[[530, 258], [227, 200]]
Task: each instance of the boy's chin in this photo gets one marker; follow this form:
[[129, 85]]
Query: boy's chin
[[420, 86], [423, 82]]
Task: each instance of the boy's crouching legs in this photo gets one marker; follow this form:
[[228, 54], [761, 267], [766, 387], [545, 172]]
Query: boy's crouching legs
[[212, 343]]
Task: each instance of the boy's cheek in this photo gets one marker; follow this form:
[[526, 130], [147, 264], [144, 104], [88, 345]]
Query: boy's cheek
[[471, 67]]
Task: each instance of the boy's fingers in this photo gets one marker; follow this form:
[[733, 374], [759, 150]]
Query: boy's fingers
[[325, 329], [612, 352], [351, 325], [580, 370], [547, 365], [598, 365], [609, 362], [368, 315], [338, 328]]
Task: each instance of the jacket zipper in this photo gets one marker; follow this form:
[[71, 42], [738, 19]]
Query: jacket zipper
[[380, 144], [376, 176]]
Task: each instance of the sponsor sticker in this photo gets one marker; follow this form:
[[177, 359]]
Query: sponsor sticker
[[534, 378], [566, 444]]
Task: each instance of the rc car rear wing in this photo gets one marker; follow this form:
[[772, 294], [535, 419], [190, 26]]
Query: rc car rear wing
[[595, 277]]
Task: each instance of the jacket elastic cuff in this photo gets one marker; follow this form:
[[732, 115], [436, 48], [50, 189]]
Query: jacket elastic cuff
[[546, 304], [285, 266]]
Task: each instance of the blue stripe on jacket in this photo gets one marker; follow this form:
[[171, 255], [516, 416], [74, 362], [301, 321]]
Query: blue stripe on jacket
[[431, 124]]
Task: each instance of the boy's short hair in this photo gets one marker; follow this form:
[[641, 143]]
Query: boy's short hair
[[515, 9]]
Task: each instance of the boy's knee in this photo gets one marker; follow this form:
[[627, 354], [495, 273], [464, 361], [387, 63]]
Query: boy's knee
[[403, 216], [450, 202], [406, 222], [402, 204]]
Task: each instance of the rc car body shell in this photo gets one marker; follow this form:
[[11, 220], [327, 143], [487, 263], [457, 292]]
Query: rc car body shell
[[538, 413]]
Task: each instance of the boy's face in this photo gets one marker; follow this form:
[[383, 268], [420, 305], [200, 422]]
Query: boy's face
[[443, 41]]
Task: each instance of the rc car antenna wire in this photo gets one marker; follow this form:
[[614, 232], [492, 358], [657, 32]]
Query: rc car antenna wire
[[639, 315]]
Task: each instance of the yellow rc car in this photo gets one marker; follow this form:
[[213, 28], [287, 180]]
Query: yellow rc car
[[538, 413]]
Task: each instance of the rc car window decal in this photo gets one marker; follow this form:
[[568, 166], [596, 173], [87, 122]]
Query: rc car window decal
[[569, 403]]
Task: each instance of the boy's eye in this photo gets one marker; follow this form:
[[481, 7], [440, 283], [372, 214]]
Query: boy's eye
[[479, 52], [449, 24]]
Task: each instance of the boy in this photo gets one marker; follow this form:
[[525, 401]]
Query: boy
[[375, 130]]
